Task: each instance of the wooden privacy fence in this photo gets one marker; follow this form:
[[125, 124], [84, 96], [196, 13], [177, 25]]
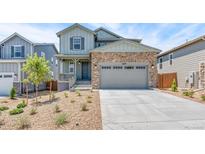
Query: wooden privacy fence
[[165, 80], [54, 85]]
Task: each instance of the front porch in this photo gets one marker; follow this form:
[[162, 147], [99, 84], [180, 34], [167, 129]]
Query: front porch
[[74, 69]]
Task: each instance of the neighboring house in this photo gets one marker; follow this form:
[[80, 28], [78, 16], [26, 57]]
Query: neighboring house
[[104, 58], [188, 61], [13, 53]]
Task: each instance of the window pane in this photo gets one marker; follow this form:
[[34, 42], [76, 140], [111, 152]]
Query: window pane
[[17, 54], [76, 46], [71, 69]]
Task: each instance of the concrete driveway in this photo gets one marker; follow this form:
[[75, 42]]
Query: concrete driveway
[[149, 109]]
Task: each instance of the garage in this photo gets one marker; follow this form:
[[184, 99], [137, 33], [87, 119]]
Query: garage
[[6, 83], [123, 76]]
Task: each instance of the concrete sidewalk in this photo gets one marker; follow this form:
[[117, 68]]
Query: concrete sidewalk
[[149, 109]]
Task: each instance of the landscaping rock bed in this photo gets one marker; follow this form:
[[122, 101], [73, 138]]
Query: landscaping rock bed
[[69, 103]]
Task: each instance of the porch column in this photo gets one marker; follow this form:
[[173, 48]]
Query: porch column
[[19, 75], [75, 65]]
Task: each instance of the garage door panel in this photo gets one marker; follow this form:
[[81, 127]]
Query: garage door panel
[[6, 83], [123, 77]]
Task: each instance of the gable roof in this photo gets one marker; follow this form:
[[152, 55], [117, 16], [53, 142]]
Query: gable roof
[[103, 29], [47, 44], [74, 26], [13, 35], [201, 38], [118, 47]]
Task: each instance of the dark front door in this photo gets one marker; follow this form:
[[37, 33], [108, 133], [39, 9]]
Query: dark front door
[[85, 70]]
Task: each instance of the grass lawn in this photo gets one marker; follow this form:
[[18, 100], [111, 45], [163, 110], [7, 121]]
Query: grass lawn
[[69, 110]]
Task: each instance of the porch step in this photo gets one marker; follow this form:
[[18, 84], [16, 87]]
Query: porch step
[[82, 85], [86, 82]]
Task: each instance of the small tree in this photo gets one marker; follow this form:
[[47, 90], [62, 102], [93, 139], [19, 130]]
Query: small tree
[[12, 93], [26, 82], [37, 70], [174, 86]]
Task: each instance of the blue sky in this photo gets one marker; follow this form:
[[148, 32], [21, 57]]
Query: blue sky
[[163, 36]]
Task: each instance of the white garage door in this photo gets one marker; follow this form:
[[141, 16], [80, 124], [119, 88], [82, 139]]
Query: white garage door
[[6, 83], [133, 76]]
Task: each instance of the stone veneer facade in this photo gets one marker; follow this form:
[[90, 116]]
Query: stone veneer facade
[[150, 58]]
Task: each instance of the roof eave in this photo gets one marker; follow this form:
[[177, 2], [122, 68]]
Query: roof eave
[[182, 46], [73, 26], [16, 34]]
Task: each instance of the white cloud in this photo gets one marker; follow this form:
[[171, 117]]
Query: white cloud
[[152, 37], [31, 32]]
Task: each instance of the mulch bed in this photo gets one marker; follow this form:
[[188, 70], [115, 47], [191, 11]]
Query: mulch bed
[[45, 117]]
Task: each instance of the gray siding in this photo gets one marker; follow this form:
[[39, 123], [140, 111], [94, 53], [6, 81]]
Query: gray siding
[[184, 61], [65, 41], [102, 35], [6, 49], [50, 52]]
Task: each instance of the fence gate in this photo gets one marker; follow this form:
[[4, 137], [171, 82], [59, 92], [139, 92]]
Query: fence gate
[[165, 80]]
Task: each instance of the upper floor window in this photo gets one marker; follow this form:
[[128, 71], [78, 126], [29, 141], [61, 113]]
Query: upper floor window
[[43, 54], [160, 63], [76, 43], [170, 58], [17, 51], [51, 60]]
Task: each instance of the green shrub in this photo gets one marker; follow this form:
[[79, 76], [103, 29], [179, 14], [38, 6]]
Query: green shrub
[[33, 111], [174, 86], [56, 109], [78, 93], [84, 107], [2, 108], [89, 101], [66, 94], [186, 93], [72, 101], [203, 97], [89, 97], [22, 104], [12, 93], [189, 93], [22, 123], [61, 119], [16, 111]]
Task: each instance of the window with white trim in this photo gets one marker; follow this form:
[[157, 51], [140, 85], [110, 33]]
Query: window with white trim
[[52, 73], [160, 63], [17, 51], [170, 58], [43, 54], [51, 60], [71, 67], [76, 43]]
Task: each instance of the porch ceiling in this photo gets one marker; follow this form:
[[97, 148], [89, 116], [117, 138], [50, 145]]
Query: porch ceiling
[[63, 56]]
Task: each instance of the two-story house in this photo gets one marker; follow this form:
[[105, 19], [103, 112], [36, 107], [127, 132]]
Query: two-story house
[[105, 59], [13, 53], [187, 61]]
